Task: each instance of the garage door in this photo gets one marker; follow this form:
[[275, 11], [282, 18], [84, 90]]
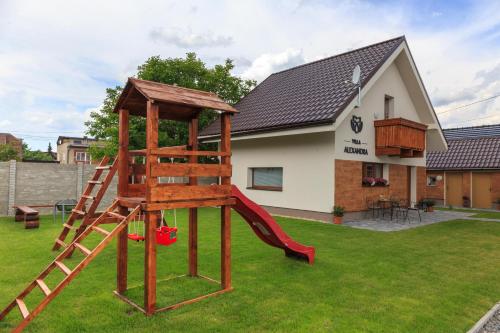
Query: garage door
[[454, 189], [481, 190]]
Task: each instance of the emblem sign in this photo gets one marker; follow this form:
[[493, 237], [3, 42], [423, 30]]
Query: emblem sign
[[356, 124]]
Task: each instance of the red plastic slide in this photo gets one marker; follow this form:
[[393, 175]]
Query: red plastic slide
[[267, 229]]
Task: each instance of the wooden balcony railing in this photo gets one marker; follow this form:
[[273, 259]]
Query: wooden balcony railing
[[399, 137]]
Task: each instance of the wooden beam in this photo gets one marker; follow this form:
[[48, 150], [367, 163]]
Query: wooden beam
[[123, 139], [193, 212], [164, 192], [150, 262], [185, 153], [188, 204], [190, 170], [388, 151], [194, 300]]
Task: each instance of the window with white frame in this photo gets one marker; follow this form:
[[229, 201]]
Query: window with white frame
[[82, 156], [432, 180], [270, 179]]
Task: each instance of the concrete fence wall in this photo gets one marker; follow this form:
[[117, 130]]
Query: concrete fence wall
[[24, 183]]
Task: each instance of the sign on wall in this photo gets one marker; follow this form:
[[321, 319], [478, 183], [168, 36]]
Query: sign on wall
[[357, 127]]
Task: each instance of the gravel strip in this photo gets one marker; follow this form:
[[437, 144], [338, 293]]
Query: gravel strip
[[493, 324]]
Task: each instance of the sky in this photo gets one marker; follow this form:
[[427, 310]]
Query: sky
[[58, 57]]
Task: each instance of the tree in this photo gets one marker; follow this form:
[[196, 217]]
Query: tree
[[49, 148], [189, 72], [7, 153], [35, 155]]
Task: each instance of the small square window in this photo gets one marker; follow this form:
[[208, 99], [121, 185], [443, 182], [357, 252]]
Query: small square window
[[81, 156], [431, 180], [270, 179]]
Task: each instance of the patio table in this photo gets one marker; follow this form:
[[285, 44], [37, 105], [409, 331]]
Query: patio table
[[387, 203]]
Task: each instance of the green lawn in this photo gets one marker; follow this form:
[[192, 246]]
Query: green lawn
[[438, 278], [477, 213], [488, 215]]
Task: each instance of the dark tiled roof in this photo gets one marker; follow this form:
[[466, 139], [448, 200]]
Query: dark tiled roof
[[469, 153], [312, 93], [472, 132]]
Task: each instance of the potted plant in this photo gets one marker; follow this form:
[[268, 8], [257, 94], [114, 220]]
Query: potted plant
[[429, 205], [466, 201], [338, 212]]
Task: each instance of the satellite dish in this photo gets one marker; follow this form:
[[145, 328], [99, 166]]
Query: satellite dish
[[356, 73]]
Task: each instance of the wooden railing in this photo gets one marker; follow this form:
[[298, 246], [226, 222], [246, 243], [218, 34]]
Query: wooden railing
[[161, 192], [399, 137]]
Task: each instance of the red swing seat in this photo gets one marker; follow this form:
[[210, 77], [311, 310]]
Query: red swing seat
[[166, 235], [136, 237]]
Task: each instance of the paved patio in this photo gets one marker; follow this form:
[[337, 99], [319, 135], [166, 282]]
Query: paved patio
[[385, 224]]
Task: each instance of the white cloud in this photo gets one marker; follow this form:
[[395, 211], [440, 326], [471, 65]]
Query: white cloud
[[267, 64], [4, 123], [187, 39]]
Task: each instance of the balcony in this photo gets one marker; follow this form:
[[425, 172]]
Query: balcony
[[399, 137]]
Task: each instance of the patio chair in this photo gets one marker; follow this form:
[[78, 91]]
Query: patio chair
[[374, 207], [411, 206], [395, 207]]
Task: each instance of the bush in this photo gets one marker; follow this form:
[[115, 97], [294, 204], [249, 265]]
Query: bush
[[429, 202]]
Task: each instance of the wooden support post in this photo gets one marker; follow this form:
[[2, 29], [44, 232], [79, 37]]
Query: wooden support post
[[151, 143], [122, 246], [150, 221], [123, 155], [226, 247], [193, 212], [225, 146], [122, 257], [151, 218]]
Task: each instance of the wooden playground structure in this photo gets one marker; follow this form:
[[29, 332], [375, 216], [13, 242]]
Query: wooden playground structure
[[141, 192]]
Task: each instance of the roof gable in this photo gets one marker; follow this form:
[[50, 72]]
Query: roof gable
[[309, 94]]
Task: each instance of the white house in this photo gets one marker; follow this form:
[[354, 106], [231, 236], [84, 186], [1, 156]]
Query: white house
[[301, 142]]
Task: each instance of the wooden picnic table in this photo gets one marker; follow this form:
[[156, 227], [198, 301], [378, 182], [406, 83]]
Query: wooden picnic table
[[29, 215]]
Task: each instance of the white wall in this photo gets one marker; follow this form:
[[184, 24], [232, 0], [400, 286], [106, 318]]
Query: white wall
[[372, 108], [307, 161]]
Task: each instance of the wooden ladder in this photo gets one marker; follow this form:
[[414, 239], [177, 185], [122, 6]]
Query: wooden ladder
[[79, 211], [70, 274]]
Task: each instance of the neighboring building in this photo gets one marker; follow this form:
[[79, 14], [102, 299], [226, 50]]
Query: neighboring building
[[73, 150], [17, 144], [468, 174], [301, 143]]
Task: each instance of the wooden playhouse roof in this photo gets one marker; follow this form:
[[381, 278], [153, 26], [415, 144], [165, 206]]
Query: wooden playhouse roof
[[175, 103]]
